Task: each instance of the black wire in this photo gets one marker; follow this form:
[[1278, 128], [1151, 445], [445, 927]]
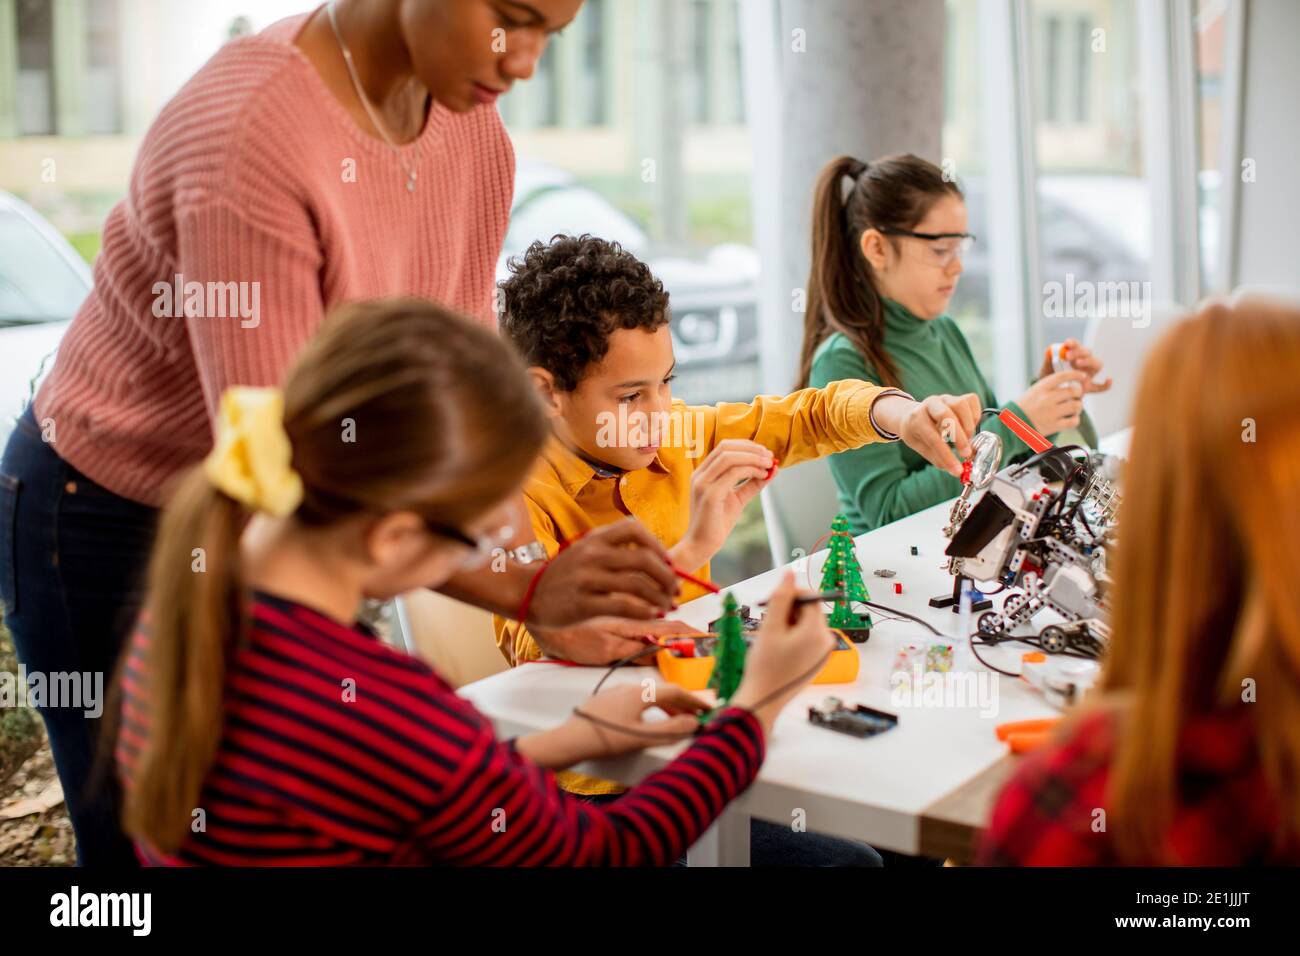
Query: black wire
[[1084, 519], [1059, 501], [910, 617], [632, 731], [976, 654], [650, 735], [802, 678], [652, 649], [1045, 453]]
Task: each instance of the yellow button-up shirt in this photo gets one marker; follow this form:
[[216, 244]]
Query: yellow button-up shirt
[[566, 496]]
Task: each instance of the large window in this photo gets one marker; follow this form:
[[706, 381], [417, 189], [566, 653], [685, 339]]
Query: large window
[[963, 157], [1094, 223], [1211, 23], [35, 68], [658, 157], [103, 102], [595, 79]]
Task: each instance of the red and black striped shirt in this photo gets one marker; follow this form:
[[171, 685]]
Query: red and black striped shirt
[[338, 750]]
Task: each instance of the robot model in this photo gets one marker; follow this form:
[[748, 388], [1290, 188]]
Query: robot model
[[1046, 545]]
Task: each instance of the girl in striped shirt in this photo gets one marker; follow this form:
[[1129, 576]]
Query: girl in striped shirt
[[260, 724]]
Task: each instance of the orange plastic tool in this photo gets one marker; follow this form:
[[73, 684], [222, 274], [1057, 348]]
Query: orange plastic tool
[[693, 673], [1039, 726]]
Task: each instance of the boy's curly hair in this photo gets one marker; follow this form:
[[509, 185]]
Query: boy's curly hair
[[564, 299]]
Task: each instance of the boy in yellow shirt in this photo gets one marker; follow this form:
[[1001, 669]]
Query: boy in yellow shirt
[[592, 323]]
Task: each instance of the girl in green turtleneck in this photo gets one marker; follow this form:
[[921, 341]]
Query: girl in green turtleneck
[[886, 260]]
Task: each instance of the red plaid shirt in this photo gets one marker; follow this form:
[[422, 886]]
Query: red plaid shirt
[[1047, 815]]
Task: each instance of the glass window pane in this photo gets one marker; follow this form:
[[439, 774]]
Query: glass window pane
[[593, 61], [1093, 214], [667, 176], [1211, 17], [963, 152], [103, 108], [35, 68]]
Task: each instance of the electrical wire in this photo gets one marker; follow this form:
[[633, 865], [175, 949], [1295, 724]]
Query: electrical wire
[[1045, 453], [911, 617], [976, 654], [762, 702], [653, 649]]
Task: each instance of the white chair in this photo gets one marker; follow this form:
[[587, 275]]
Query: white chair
[[798, 508], [1123, 345], [454, 638]]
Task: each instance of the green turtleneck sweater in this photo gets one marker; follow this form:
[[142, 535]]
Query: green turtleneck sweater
[[883, 482]]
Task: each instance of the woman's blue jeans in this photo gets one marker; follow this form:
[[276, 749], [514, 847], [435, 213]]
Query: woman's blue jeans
[[73, 557]]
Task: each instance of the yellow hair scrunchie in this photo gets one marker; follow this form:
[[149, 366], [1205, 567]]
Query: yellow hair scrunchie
[[251, 460]]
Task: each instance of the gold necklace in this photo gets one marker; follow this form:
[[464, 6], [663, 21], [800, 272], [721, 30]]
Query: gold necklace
[[411, 171]]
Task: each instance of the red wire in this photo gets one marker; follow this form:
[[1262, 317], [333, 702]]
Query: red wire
[[690, 578]]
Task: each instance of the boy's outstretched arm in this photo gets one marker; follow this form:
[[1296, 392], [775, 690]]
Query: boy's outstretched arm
[[814, 422]]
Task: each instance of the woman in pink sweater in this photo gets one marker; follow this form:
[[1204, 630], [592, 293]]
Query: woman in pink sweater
[[352, 153]]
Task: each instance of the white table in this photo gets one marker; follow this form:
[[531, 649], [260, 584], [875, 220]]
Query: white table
[[875, 789]]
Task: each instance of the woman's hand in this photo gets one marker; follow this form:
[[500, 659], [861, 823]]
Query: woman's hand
[[784, 656], [1082, 359], [1055, 402], [604, 640], [620, 570], [928, 426], [718, 496]]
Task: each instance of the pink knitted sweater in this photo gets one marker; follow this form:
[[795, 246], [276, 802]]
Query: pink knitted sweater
[[256, 205]]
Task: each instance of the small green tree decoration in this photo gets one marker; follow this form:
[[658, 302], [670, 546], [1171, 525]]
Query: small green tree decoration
[[843, 573], [728, 651]]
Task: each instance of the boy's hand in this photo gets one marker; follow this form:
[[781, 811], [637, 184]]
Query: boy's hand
[[928, 426], [718, 496]]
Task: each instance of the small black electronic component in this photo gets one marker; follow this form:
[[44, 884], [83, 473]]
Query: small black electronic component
[[858, 721], [747, 621], [914, 550]]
